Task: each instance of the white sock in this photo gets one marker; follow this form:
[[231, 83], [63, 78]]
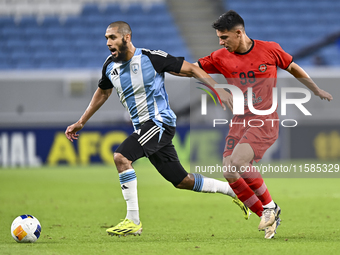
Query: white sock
[[209, 185], [128, 183], [270, 205]]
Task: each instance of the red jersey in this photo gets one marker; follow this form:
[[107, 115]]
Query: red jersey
[[256, 68]]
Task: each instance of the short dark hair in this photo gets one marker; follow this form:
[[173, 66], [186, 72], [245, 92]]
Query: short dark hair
[[228, 21], [123, 27]]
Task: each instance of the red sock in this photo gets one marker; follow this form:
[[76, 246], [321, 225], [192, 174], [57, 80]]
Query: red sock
[[256, 183], [247, 196]]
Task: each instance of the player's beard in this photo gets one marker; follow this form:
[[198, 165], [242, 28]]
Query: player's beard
[[122, 52]]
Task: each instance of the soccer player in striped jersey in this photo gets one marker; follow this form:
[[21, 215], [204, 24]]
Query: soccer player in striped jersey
[[245, 62], [138, 77]]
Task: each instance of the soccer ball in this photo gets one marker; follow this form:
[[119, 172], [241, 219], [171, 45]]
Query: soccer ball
[[25, 229]]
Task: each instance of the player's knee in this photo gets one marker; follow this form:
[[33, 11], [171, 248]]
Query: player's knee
[[236, 163], [226, 174], [187, 183], [231, 171], [230, 175], [119, 159]]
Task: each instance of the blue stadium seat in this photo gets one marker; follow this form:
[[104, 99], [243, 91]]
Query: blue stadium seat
[[135, 20], [59, 42], [90, 9], [51, 22], [83, 44], [35, 33], [133, 9], [6, 62], [305, 61], [93, 59], [158, 9], [14, 43], [19, 53], [11, 32], [55, 32], [66, 53], [3, 47], [26, 22], [7, 22], [73, 22], [115, 17], [43, 53], [72, 62], [112, 9], [36, 44], [3, 54], [25, 63], [97, 22], [47, 63], [4, 65], [76, 31], [331, 54]]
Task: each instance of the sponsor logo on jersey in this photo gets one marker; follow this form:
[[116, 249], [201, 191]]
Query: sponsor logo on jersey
[[262, 68], [135, 68]]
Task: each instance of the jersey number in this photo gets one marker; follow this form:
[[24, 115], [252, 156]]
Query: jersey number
[[231, 144], [249, 77]]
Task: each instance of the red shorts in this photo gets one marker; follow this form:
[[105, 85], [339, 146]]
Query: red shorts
[[260, 132]]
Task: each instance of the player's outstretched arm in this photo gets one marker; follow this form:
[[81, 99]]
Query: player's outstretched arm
[[193, 70], [304, 78], [98, 99]]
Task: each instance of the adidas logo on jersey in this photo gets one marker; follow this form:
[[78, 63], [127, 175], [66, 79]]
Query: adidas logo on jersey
[[114, 72]]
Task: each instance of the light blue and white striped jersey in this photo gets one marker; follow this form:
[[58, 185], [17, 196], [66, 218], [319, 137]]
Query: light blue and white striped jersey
[[139, 83]]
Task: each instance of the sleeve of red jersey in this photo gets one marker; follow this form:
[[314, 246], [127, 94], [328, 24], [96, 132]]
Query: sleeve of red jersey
[[282, 58], [207, 64]]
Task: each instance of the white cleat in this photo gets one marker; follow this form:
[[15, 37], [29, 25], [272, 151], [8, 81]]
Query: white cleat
[[271, 231], [269, 216]]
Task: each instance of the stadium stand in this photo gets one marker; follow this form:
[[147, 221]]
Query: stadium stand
[[294, 25], [31, 31], [60, 34]]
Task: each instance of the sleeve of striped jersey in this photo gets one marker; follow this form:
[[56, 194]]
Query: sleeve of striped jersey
[[104, 82], [282, 58], [164, 62], [207, 64]]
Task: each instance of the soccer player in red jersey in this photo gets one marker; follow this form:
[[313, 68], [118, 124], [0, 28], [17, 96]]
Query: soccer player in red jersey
[[245, 62]]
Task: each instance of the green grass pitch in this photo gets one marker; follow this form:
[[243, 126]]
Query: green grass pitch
[[76, 204]]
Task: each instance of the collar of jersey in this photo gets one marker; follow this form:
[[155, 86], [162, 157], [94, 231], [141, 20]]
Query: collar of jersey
[[252, 46]]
